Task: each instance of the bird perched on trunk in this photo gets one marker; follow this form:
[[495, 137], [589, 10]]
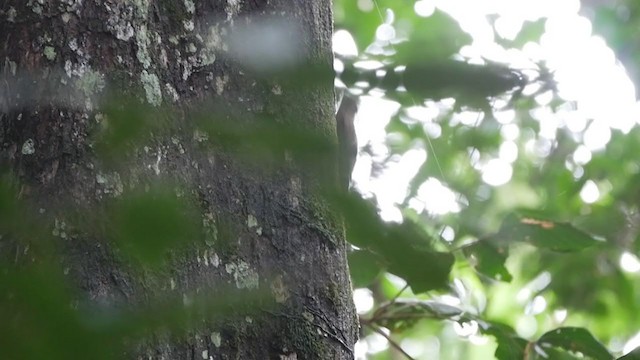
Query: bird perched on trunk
[[347, 141]]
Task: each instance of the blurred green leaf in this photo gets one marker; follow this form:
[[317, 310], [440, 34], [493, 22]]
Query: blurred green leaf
[[423, 269], [147, 225], [544, 233], [364, 266], [617, 23], [470, 84], [510, 346], [432, 39], [531, 32], [262, 138], [38, 319], [406, 248], [41, 315], [576, 340], [123, 126], [633, 355], [489, 260]]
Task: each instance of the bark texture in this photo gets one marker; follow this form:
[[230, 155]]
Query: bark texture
[[262, 227]]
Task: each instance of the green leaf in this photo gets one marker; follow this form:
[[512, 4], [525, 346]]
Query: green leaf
[[577, 340], [406, 248], [510, 346], [408, 251], [531, 32], [544, 233], [423, 270], [38, 319], [469, 84], [365, 267], [633, 355], [435, 38], [125, 125], [489, 260], [364, 227]]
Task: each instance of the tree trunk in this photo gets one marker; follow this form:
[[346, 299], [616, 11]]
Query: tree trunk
[[263, 230]]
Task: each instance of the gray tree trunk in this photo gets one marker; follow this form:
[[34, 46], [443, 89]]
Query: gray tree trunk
[[263, 229]]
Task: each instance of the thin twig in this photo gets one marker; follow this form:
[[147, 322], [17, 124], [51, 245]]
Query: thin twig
[[399, 293], [384, 306], [392, 342]]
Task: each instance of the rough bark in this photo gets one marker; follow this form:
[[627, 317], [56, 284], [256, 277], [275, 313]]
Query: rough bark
[[262, 226]]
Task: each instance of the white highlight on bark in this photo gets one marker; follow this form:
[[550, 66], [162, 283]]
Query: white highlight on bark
[[244, 276], [28, 148], [216, 339], [151, 85]]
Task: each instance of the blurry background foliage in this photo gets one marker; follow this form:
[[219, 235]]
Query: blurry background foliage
[[503, 185]]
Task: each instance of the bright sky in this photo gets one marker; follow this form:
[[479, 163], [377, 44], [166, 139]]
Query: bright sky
[[587, 72]]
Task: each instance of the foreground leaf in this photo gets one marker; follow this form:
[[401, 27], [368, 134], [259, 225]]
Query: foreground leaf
[[510, 345], [576, 340], [364, 267], [405, 248], [489, 260], [543, 233]]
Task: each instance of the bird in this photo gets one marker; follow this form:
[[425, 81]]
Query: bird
[[347, 140]]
